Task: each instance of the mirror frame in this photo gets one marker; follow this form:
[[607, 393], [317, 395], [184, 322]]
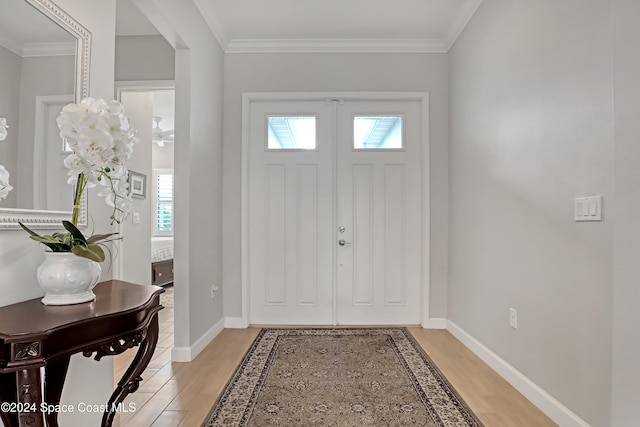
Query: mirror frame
[[10, 217]]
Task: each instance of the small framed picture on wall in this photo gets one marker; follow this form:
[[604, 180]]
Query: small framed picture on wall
[[137, 185]]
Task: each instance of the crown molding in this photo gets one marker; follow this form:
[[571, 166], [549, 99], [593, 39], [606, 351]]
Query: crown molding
[[441, 45], [459, 24], [335, 45], [49, 49], [214, 24], [29, 50]]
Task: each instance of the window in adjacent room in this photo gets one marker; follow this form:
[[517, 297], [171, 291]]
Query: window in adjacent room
[[163, 211]]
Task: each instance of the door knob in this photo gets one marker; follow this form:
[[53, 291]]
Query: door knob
[[343, 242]]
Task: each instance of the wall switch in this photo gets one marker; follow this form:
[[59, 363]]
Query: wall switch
[[588, 208], [214, 289], [513, 318]]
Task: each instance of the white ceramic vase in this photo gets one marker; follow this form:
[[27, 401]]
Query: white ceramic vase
[[67, 278]]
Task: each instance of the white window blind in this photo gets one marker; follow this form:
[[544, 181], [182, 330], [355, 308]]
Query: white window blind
[[163, 202]]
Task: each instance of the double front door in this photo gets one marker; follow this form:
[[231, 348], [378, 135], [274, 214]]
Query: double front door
[[334, 209]]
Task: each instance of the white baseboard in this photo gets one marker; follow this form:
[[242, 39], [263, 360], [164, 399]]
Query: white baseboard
[[544, 401], [235, 323], [180, 354], [435, 323], [187, 354]]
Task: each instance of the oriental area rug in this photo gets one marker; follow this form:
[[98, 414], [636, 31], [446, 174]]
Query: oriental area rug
[[338, 377]]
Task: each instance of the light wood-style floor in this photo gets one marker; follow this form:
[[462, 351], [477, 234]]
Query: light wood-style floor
[[181, 394]]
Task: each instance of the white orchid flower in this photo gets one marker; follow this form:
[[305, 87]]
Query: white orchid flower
[[5, 188], [102, 142], [3, 128]]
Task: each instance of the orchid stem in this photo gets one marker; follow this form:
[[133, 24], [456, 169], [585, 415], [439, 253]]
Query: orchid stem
[[76, 201]]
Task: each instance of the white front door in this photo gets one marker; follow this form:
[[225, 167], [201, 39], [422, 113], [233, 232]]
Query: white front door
[[334, 212]]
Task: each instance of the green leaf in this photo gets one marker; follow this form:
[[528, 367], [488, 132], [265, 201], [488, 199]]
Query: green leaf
[[28, 230], [97, 237], [54, 245], [77, 234], [92, 252]]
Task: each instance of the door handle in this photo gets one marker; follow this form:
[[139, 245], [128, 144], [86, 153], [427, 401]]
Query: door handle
[[343, 242]]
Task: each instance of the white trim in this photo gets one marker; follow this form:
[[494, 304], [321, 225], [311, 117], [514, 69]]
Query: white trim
[[141, 86], [187, 354], [249, 97], [235, 323], [425, 172], [137, 86], [181, 354], [33, 219], [544, 401], [244, 206], [435, 323], [39, 142], [335, 45], [49, 49], [420, 45], [459, 24], [214, 24], [83, 42]]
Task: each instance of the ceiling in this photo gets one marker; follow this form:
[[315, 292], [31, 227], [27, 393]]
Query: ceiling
[[324, 25]]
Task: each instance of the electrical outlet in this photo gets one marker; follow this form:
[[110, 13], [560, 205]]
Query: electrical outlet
[[214, 289], [513, 318]]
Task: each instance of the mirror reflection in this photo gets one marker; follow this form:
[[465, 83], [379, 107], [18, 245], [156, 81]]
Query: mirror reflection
[[37, 78]]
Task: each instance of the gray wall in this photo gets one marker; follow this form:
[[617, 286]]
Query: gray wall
[[531, 129], [144, 58], [334, 72], [135, 253], [626, 290]]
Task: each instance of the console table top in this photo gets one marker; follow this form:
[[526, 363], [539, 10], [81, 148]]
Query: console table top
[[113, 297]]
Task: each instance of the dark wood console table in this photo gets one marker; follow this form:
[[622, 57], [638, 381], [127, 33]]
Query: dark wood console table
[[34, 335]]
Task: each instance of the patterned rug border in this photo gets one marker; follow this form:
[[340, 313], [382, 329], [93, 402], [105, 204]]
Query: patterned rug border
[[468, 415]]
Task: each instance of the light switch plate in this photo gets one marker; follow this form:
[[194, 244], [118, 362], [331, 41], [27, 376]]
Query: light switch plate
[[588, 208]]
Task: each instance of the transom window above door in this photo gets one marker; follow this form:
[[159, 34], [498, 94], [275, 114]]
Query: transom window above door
[[291, 132], [377, 132]]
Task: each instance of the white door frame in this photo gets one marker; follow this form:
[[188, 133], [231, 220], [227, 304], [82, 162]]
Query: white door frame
[[422, 97], [135, 86]]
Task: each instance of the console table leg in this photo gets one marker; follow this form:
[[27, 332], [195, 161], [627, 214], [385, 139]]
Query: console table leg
[[8, 394], [54, 375], [131, 379], [28, 387]]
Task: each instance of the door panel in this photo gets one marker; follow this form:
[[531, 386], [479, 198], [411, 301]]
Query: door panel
[[379, 204], [290, 216]]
